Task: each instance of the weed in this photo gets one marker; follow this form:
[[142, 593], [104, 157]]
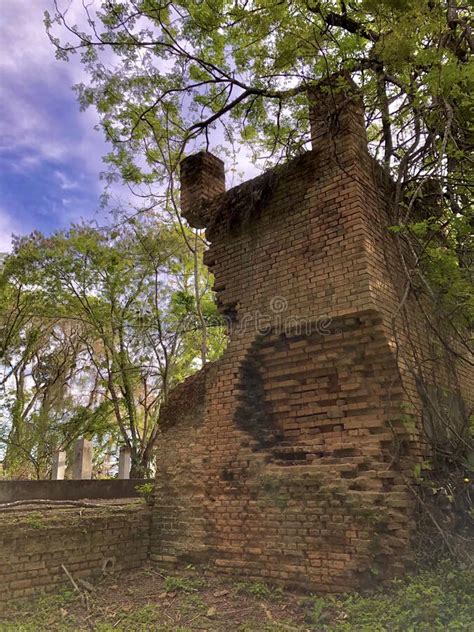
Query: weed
[[259, 589], [438, 599], [191, 603], [316, 610], [146, 490], [49, 614], [268, 627], [141, 619], [35, 520], [432, 600], [182, 584]]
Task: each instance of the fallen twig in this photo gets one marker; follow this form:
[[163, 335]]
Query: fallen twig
[[83, 595], [71, 579], [155, 572], [194, 618]]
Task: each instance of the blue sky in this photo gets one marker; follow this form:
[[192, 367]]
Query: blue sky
[[50, 153]]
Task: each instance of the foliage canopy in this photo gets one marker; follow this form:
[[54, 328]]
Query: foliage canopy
[[170, 77]]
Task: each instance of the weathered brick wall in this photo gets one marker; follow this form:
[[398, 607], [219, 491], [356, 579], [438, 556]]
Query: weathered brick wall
[[34, 545], [427, 365], [293, 466]]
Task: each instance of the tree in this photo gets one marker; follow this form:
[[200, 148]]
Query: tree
[[117, 325], [41, 362], [170, 77], [166, 76]]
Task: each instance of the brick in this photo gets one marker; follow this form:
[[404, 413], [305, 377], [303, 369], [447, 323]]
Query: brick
[[46, 547], [290, 436]]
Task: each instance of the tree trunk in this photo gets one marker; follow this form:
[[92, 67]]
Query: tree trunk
[[139, 467]]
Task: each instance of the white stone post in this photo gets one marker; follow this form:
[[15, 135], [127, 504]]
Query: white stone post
[[58, 466], [125, 462], [82, 463]]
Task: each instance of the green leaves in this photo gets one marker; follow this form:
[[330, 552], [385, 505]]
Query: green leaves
[[168, 79], [106, 322]]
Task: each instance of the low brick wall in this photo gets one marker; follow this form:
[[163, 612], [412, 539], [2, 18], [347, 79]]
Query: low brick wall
[[34, 545], [70, 490]]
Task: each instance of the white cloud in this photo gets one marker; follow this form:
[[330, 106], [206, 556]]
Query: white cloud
[[66, 183], [24, 39], [32, 129], [28, 58], [7, 227]]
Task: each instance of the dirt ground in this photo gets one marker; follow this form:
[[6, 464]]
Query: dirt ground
[[438, 599], [149, 600]]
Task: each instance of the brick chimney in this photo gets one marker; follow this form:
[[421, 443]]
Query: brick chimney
[[336, 111], [202, 179]]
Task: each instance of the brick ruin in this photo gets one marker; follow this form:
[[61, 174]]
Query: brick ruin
[[290, 458], [36, 546]]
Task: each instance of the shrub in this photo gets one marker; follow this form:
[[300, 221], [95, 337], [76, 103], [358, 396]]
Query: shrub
[[439, 599]]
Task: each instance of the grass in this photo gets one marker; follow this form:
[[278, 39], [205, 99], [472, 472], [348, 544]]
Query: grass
[[256, 589], [35, 520], [441, 599], [436, 600], [183, 584]]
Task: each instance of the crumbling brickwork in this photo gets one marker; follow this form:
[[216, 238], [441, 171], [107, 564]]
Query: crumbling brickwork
[[288, 459], [35, 545]]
